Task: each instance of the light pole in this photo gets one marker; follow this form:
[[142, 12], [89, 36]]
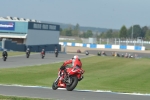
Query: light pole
[[132, 33]]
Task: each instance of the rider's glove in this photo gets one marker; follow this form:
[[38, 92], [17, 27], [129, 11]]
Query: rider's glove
[[62, 67]]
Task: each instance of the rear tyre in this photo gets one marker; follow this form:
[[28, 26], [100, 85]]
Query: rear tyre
[[54, 86], [4, 58], [73, 84], [42, 57], [56, 55], [27, 55]]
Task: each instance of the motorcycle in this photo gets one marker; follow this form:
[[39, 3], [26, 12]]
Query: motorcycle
[[68, 78], [86, 53], [56, 53], [4, 58], [42, 55], [27, 54]]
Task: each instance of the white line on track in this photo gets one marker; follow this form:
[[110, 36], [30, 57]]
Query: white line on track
[[100, 91]]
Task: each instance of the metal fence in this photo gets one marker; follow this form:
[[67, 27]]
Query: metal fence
[[114, 41], [119, 41]]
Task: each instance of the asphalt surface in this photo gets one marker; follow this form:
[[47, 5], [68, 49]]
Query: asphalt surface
[[66, 95], [34, 59], [120, 52], [40, 92]]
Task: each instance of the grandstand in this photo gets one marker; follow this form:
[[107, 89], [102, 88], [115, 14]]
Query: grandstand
[[29, 32]]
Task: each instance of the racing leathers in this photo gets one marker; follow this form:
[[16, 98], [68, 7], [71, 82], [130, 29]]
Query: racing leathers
[[76, 62]]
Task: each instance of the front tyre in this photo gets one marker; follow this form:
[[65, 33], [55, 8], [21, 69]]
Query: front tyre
[[54, 86], [73, 84], [4, 58], [56, 55], [27, 55]]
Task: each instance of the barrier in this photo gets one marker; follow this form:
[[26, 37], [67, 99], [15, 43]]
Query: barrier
[[107, 46], [14, 46]]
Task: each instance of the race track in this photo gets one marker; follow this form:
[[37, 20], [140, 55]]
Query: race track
[[34, 59], [44, 92], [66, 95]]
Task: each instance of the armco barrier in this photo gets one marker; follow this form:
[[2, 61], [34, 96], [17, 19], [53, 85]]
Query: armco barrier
[[103, 46]]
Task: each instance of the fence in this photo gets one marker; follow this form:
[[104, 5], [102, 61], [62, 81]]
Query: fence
[[104, 46], [14, 46], [116, 41]]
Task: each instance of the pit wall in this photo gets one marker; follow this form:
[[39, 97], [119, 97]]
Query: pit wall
[[104, 46]]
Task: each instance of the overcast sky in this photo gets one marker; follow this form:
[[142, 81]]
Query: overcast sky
[[94, 13]]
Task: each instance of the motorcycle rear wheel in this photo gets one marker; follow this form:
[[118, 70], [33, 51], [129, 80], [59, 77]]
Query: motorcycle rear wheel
[[73, 84], [27, 56], [54, 86], [4, 59], [42, 57]]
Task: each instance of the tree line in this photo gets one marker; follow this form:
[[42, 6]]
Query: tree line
[[76, 32], [124, 32]]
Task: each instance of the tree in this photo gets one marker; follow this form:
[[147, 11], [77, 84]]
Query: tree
[[69, 32], [109, 33], [63, 32], [115, 34], [89, 33], [143, 31], [129, 32], [147, 35], [136, 31], [123, 32], [76, 30], [103, 35]]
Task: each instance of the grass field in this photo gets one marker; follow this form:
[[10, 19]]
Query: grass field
[[10, 53], [101, 73], [19, 98]]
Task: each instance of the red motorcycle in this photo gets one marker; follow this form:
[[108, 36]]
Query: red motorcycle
[[68, 78], [42, 55]]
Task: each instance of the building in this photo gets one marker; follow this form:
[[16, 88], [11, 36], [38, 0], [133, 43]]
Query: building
[[28, 33]]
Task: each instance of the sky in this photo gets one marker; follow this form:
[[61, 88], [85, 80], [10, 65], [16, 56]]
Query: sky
[[112, 14]]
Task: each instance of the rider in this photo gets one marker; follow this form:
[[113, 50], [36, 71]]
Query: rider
[[99, 53], [5, 53], [28, 50], [75, 61], [43, 52], [87, 53], [56, 51]]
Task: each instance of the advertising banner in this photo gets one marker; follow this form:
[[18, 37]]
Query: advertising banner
[[4, 25], [43, 26]]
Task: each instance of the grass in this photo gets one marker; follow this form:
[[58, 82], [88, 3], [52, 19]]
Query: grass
[[15, 53], [19, 98], [10, 53], [101, 73]]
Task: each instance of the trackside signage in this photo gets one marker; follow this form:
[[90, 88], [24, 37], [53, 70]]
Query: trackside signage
[[7, 25], [43, 26]]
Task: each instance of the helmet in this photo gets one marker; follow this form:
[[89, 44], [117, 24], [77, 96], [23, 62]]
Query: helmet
[[43, 49], [75, 57], [28, 49]]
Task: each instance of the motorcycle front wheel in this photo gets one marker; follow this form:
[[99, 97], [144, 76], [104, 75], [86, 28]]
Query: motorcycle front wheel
[[54, 86], [4, 58], [27, 55], [73, 84]]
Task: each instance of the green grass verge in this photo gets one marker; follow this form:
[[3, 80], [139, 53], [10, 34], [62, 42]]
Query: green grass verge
[[101, 73], [10, 53], [19, 98], [15, 53]]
